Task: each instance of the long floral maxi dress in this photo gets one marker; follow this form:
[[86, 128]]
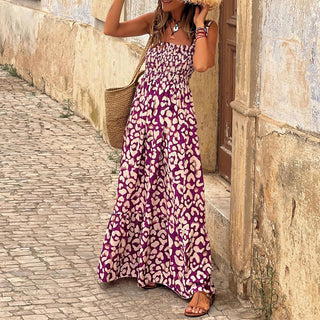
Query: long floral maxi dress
[[157, 231]]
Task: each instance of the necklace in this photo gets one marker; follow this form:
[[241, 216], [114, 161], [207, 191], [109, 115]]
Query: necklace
[[175, 28]]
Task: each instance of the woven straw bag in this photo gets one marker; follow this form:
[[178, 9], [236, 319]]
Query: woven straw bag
[[118, 103]]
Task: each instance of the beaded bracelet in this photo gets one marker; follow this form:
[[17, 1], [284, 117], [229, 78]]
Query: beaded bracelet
[[201, 32], [202, 29], [201, 35]]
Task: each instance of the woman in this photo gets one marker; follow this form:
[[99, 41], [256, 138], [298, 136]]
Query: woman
[[157, 230]]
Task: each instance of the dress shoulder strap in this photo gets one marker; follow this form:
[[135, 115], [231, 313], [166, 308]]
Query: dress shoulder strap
[[208, 24]]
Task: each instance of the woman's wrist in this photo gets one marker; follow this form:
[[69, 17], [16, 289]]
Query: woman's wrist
[[200, 25]]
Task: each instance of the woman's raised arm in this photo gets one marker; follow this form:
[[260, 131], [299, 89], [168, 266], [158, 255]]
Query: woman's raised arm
[[204, 56], [135, 27]]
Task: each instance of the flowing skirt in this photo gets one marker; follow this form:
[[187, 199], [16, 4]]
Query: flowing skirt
[[157, 231]]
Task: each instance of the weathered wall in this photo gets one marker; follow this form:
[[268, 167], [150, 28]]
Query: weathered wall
[[21, 31], [89, 60], [287, 218], [243, 142], [275, 215], [134, 8], [97, 66], [78, 10], [205, 91], [70, 60], [286, 174], [290, 52]]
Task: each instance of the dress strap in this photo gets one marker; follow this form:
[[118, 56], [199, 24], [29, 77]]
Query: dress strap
[[208, 24]]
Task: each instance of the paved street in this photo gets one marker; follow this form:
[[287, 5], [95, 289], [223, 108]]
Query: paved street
[[57, 187]]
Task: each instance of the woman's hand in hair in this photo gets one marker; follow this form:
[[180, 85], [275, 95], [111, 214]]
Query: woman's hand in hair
[[200, 15]]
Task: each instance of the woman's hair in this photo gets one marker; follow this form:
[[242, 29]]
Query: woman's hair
[[162, 20]]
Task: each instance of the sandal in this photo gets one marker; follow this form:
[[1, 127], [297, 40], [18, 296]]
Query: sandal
[[150, 285], [199, 304]]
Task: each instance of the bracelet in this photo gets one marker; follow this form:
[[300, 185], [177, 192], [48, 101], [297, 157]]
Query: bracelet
[[202, 29], [199, 37], [201, 32]]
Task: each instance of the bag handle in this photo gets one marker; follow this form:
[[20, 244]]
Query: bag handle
[[143, 55]]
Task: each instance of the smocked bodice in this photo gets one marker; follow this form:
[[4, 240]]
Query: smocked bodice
[[170, 63]]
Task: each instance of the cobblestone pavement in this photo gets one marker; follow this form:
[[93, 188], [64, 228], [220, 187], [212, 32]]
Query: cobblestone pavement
[[57, 187]]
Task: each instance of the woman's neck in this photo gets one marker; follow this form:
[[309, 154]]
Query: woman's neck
[[176, 14]]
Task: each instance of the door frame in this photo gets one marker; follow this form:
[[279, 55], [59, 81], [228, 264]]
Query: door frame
[[245, 114], [227, 46]]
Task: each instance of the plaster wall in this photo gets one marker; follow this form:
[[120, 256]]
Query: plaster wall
[[77, 10], [134, 8], [285, 150], [76, 62], [275, 212], [290, 62], [286, 221]]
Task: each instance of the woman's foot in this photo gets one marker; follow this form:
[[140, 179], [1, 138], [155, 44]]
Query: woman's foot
[[150, 285], [199, 304]]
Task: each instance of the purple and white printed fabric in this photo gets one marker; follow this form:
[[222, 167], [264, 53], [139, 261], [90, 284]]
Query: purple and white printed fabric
[[157, 231]]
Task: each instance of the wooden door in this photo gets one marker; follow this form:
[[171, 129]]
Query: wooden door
[[228, 23]]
